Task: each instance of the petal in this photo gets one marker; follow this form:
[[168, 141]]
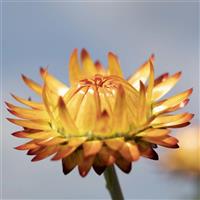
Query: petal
[[149, 153], [85, 165], [32, 104], [152, 132], [166, 141], [130, 151], [171, 120], [28, 145], [66, 120], [177, 100], [106, 156], [46, 152], [113, 65], [123, 164], [74, 68], [120, 124], [27, 113], [32, 84], [53, 84], [32, 124], [88, 66], [142, 74], [70, 147], [161, 79], [164, 87], [69, 163], [86, 117], [91, 148], [115, 143]]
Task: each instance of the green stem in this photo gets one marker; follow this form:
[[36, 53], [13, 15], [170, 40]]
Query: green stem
[[112, 183]]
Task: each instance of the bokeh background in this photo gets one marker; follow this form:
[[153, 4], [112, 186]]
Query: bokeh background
[[40, 34]]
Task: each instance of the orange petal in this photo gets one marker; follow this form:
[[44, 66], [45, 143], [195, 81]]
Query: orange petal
[[141, 74], [106, 156], [91, 148], [123, 164], [166, 141], [66, 120], [98, 166], [160, 79], [27, 146], [130, 151], [70, 162], [149, 153], [46, 152], [70, 147], [32, 104], [32, 84], [32, 124], [51, 141], [113, 65], [164, 87], [74, 68], [85, 165], [115, 143]]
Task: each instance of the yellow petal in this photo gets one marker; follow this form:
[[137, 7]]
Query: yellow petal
[[74, 68], [115, 143], [53, 84], [32, 84], [32, 104], [164, 87], [130, 151], [120, 124], [91, 148], [86, 117], [65, 118], [171, 102], [28, 114], [142, 74], [32, 124], [171, 120], [113, 65], [89, 69], [152, 132]]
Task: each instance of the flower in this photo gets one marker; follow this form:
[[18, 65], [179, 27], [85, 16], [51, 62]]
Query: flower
[[101, 119], [187, 158]]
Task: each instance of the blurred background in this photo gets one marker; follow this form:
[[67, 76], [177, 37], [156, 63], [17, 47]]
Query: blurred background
[[40, 34]]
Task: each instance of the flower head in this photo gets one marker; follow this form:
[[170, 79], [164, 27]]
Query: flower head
[[101, 119], [187, 158]]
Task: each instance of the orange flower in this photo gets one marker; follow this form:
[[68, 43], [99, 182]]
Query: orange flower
[[186, 159], [102, 119]]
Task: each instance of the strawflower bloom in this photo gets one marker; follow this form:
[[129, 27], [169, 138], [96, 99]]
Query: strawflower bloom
[[186, 159], [101, 119]]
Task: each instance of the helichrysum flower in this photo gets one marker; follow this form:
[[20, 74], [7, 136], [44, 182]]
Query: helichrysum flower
[[186, 159], [101, 119]]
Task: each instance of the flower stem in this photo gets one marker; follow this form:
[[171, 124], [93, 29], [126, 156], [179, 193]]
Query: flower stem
[[112, 183]]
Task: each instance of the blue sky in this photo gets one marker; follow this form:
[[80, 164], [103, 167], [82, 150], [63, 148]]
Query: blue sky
[[40, 34]]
